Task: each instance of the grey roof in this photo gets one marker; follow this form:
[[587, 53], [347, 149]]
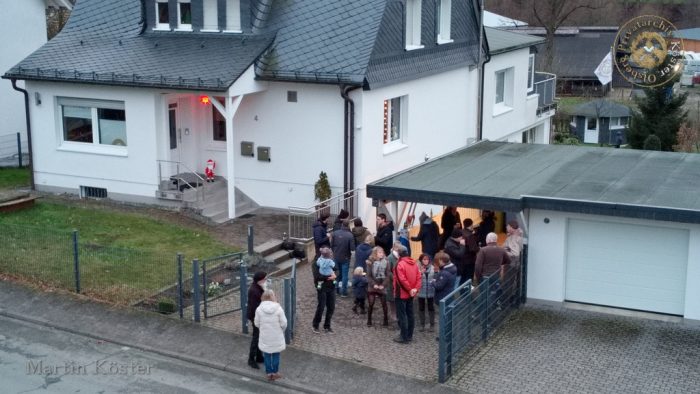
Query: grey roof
[[103, 44], [602, 108], [689, 34], [511, 177], [501, 41]]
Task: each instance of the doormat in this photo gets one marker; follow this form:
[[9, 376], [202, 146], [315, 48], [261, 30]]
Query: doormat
[[247, 216]]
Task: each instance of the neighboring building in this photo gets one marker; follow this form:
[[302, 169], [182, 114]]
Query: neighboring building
[[691, 39], [134, 98], [494, 20], [604, 226], [599, 122]]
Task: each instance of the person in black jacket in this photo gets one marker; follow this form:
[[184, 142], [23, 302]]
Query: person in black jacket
[[429, 235], [343, 244], [320, 231], [255, 292], [456, 249], [486, 226], [385, 233], [325, 297], [450, 218], [471, 244]]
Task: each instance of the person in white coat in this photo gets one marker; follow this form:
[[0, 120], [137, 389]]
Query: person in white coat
[[269, 317]]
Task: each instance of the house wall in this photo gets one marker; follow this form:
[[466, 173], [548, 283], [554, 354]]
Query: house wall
[[508, 125], [26, 19], [547, 256], [441, 117], [131, 173]]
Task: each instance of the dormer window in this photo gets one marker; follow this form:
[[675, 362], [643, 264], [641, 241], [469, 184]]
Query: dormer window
[[184, 15], [444, 21], [211, 16], [413, 24], [233, 16], [162, 15]]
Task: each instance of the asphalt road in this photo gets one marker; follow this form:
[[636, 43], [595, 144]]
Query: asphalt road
[[35, 358]]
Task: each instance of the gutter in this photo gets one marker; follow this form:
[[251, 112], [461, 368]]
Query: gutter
[[481, 64], [348, 138], [29, 130]]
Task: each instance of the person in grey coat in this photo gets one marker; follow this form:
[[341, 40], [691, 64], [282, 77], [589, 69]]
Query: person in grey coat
[[426, 294], [343, 244]]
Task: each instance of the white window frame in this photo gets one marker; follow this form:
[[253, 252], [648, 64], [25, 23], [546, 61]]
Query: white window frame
[[529, 136], [211, 11], [158, 25], [183, 26], [233, 16], [95, 146], [531, 73], [444, 22], [413, 24], [597, 123], [390, 144], [505, 104]]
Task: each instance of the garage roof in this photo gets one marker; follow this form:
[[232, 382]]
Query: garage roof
[[511, 177]]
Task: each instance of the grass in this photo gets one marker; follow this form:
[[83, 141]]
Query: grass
[[14, 177], [124, 257]]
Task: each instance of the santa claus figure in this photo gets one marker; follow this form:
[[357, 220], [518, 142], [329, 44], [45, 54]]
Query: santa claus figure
[[209, 170]]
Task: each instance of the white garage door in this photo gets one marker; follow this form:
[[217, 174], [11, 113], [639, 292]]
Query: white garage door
[[627, 266]]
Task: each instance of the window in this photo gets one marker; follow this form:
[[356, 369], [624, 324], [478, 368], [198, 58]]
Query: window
[[211, 16], [184, 15], [531, 73], [218, 121], [504, 91], [500, 86], [162, 15], [529, 136], [413, 21], [444, 22], [591, 124], [93, 122], [233, 15], [619, 123], [393, 120]]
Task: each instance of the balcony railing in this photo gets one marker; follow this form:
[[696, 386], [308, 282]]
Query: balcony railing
[[545, 86]]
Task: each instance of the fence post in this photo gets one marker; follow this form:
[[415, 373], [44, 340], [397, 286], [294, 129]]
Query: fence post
[[76, 262], [244, 296], [444, 348], [293, 317], [19, 149], [180, 290], [205, 290], [195, 289], [250, 240], [486, 284], [287, 308], [523, 275]]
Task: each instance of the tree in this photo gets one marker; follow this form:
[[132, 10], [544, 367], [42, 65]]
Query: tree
[[322, 189], [652, 142], [688, 139], [660, 112]]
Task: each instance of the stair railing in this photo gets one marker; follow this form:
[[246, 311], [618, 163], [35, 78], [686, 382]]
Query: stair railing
[[301, 219], [182, 177]]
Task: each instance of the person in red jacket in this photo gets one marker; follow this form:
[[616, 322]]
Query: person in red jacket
[[407, 282]]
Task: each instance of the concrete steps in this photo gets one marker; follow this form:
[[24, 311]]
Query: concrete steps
[[272, 252]]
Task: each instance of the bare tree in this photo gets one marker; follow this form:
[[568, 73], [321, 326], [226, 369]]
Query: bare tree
[[688, 139], [552, 14]]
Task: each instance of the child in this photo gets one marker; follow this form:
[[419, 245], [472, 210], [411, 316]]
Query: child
[[359, 289], [325, 263]]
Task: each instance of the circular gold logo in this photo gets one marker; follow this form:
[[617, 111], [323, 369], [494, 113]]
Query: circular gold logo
[[647, 53]]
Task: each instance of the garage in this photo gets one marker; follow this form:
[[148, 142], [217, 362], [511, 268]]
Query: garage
[[626, 266]]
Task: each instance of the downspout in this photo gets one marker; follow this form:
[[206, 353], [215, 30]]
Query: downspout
[[481, 63], [29, 130], [349, 135]]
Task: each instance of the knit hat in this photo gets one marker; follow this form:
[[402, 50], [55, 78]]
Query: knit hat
[[422, 217], [325, 252], [343, 214], [258, 276]]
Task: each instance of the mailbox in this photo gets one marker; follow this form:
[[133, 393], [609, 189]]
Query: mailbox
[[264, 153]]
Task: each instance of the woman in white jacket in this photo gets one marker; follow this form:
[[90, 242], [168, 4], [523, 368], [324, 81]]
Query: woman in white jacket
[[269, 317]]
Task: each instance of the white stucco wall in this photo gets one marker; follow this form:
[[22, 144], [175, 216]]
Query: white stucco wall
[[547, 256], [25, 19], [441, 118], [509, 125]]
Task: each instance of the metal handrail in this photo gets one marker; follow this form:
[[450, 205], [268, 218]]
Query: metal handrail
[[198, 192], [301, 219]]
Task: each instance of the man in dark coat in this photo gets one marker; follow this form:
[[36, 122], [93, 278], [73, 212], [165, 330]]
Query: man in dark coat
[[471, 244], [343, 244], [255, 292], [320, 231], [325, 299], [450, 218], [429, 235], [385, 234], [455, 248]]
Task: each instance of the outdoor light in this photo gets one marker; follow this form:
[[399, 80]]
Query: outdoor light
[[204, 100]]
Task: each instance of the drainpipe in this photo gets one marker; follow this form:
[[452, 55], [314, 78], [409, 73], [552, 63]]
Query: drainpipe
[[349, 138], [481, 64], [29, 130]]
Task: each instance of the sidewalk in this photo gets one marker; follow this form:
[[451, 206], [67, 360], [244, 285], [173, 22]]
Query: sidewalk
[[303, 371]]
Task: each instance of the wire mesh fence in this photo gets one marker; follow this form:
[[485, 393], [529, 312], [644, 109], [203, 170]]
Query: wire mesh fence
[[14, 151]]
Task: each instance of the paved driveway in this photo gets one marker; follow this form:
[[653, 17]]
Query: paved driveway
[[547, 349]]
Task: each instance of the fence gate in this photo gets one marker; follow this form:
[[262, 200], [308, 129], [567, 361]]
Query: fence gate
[[224, 278]]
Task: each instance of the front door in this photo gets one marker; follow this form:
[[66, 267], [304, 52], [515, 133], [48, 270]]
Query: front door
[[591, 134], [174, 132]]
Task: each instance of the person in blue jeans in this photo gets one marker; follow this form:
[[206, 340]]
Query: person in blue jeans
[[343, 244], [270, 318]]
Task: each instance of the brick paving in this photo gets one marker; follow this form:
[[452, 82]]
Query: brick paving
[[550, 349]]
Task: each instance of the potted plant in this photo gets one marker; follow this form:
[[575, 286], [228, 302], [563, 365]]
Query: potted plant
[[322, 192]]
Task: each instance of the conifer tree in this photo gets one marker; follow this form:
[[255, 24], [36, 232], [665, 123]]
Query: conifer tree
[[660, 112]]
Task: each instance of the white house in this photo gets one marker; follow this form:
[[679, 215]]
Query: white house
[[128, 99], [604, 226]]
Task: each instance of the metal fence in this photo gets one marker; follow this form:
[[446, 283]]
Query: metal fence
[[14, 151], [301, 220], [469, 315]]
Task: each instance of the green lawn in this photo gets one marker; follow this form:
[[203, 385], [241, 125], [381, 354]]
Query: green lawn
[[14, 177], [124, 257]]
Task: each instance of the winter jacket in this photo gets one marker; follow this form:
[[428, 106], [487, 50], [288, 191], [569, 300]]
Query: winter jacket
[[320, 235], [403, 238], [270, 319], [406, 278], [426, 288], [445, 281], [359, 286], [428, 236], [377, 274], [471, 244], [254, 294], [321, 281], [486, 226], [385, 237], [489, 260], [360, 233], [342, 244], [457, 252], [514, 245], [362, 253], [392, 261]]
